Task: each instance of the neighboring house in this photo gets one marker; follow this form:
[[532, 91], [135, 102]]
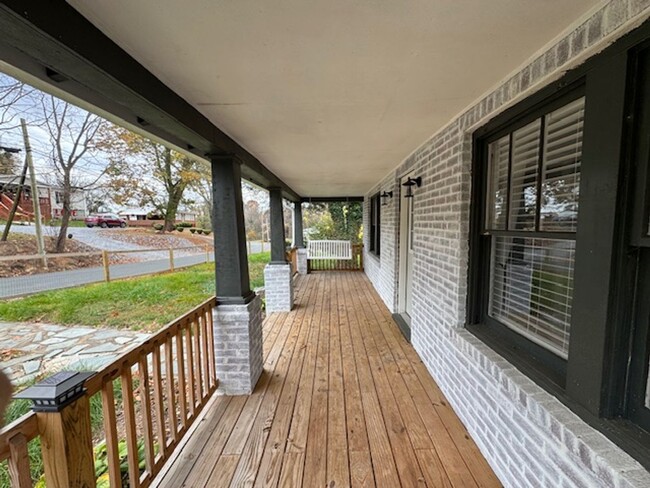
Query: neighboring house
[[143, 216], [50, 199]]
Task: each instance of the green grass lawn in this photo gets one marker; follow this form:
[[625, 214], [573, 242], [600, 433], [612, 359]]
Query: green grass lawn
[[144, 303]]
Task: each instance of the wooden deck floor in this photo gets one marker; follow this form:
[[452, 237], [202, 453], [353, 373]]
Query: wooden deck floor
[[344, 400]]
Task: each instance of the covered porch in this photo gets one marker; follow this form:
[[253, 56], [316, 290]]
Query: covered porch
[[344, 400]]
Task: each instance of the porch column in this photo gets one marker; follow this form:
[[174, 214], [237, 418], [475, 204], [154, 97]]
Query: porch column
[[299, 240], [238, 314], [278, 286]]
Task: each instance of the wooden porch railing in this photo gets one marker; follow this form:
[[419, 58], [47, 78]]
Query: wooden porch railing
[[354, 264], [150, 396]]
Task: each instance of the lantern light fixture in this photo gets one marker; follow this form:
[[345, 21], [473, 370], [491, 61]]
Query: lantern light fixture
[[385, 196], [410, 183]]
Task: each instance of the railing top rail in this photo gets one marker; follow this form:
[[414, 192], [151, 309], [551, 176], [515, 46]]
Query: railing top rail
[[26, 425]]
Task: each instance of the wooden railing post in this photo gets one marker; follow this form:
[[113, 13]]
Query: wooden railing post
[[66, 445], [63, 418], [171, 259]]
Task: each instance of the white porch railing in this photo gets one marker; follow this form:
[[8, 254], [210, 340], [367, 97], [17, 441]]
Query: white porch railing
[[329, 250]]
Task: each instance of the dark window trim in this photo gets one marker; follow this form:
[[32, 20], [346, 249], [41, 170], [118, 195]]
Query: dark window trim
[[540, 363], [374, 234], [595, 383]]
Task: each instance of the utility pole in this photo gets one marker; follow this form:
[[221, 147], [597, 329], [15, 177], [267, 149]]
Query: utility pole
[[36, 201]]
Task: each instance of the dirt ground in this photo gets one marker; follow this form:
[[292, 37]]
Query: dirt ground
[[18, 244], [152, 239]]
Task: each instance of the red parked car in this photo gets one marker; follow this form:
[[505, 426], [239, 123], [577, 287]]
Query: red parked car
[[104, 221]]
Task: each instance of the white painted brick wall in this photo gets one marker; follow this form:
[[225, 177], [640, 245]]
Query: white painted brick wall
[[278, 287], [529, 437], [238, 346]]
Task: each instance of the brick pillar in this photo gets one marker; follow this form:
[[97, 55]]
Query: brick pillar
[[238, 346], [302, 261], [278, 287], [278, 282]]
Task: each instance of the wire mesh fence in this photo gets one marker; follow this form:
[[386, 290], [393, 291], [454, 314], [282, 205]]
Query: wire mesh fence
[[24, 275]]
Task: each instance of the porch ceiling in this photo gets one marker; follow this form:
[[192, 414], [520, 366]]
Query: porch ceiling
[[329, 94]]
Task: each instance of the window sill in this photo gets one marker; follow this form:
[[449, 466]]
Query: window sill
[[626, 435], [374, 255]]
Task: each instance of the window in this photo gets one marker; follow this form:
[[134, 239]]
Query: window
[[375, 224], [534, 177], [58, 196], [559, 240]]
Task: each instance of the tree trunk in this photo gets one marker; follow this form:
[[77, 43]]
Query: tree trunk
[[65, 214], [172, 208]]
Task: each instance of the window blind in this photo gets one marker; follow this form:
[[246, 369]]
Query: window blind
[[523, 178], [532, 288], [498, 162], [561, 167]]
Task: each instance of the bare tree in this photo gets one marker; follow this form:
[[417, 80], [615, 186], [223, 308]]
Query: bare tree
[[73, 135], [12, 94]]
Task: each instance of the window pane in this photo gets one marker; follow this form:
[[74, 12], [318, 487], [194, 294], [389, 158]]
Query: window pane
[[531, 288], [523, 184], [498, 160], [561, 167]]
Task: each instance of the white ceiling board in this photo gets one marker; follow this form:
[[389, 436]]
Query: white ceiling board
[[330, 94]]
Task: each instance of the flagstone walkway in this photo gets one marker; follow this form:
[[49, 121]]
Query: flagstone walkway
[[29, 350]]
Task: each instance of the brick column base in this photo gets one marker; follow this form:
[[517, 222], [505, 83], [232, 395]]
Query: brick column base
[[238, 346], [278, 287], [302, 261]]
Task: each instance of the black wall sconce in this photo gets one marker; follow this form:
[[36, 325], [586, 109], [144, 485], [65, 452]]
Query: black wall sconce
[[410, 183], [385, 196]]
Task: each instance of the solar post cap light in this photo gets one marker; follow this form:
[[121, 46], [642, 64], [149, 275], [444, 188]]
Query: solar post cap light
[[54, 393]]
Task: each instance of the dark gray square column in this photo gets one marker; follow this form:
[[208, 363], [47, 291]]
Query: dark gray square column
[[238, 314], [278, 282]]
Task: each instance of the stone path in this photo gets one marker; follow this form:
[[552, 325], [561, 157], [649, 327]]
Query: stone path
[[30, 350]]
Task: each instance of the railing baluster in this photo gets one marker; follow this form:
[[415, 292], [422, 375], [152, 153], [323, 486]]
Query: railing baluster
[[197, 357], [213, 374], [204, 354], [110, 431], [171, 397], [158, 395], [19, 462], [182, 387], [145, 401], [190, 366], [129, 421]]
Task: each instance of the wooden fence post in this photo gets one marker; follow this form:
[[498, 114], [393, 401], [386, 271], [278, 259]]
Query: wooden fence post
[[107, 271], [67, 445], [171, 259], [207, 254]]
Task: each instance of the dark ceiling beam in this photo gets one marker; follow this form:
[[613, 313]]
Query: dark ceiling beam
[[330, 199], [53, 42]]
